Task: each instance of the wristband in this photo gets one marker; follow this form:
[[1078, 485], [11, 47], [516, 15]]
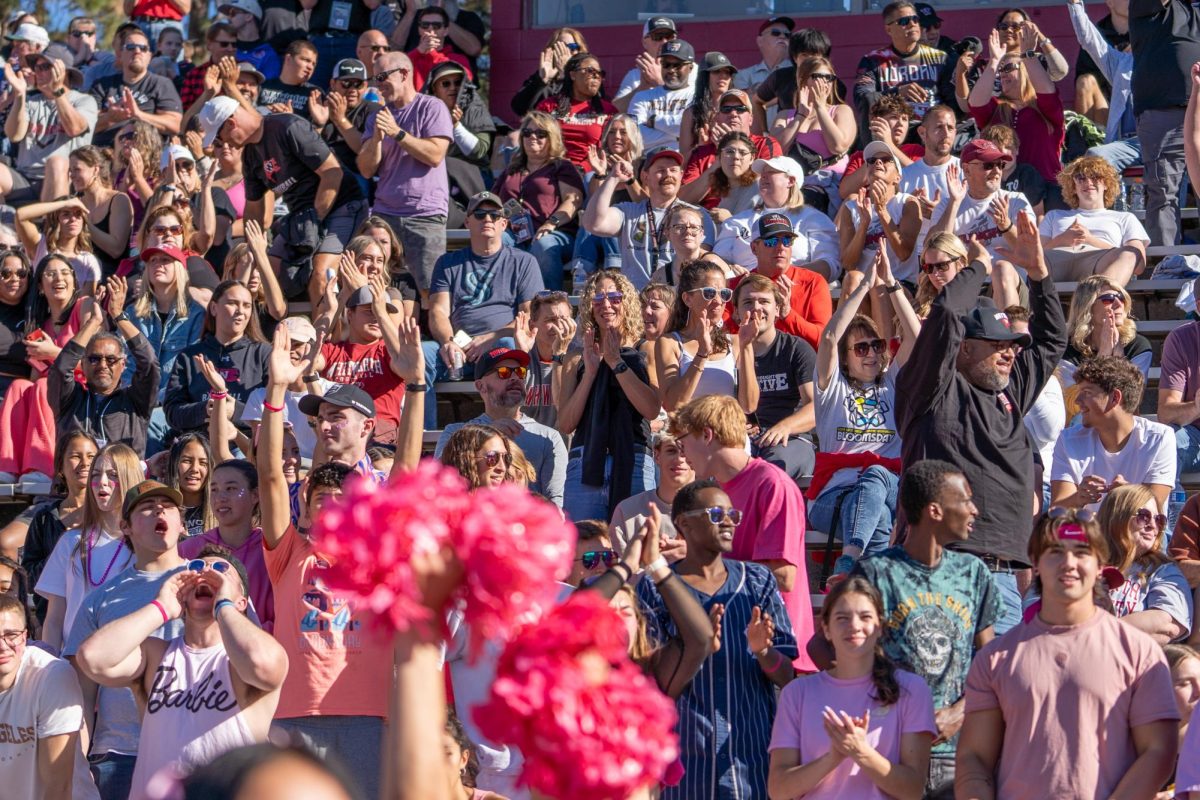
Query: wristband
[[225, 601], [162, 610], [217, 395], [268, 407], [416, 387], [895, 287], [1006, 230], [122, 317], [311, 378], [774, 665], [655, 565]]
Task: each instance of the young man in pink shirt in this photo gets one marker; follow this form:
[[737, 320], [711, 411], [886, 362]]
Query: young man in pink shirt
[[1072, 703], [712, 432]]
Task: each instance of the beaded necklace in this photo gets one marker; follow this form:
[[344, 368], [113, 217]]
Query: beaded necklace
[[91, 542]]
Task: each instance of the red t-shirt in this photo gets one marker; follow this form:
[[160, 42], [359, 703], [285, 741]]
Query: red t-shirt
[[913, 151], [582, 126], [369, 367], [811, 301], [423, 63], [157, 9], [705, 154]]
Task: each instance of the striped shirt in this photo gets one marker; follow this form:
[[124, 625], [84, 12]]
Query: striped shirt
[[726, 712]]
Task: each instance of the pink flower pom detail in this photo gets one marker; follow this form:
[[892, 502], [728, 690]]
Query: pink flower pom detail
[[587, 720]]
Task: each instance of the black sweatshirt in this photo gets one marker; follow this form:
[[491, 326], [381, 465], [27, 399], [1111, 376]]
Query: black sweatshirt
[[243, 365], [942, 415]]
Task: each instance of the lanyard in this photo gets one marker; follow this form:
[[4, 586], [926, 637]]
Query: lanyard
[[101, 439], [655, 231]]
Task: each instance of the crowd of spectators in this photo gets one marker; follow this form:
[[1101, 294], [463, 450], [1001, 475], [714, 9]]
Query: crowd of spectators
[[881, 517]]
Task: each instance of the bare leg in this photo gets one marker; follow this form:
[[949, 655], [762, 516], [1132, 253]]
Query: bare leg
[[56, 183], [1119, 264], [1090, 101], [1006, 284], [6, 181]]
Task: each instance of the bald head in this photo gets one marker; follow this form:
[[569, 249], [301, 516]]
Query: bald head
[[389, 61]]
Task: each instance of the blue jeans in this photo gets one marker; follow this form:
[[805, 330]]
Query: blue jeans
[[1010, 602], [113, 774], [597, 251], [591, 502], [1187, 450], [355, 742], [436, 370], [1122, 154], [867, 512], [551, 251]]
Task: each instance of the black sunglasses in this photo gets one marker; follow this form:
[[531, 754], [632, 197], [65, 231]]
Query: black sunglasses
[[431, 26], [938, 266], [110, 361], [19, 272], [593, 557], [380, 77], [904, 22], [738, 109], [1008, 26], [535, 133], [483, 213], [861, 349]]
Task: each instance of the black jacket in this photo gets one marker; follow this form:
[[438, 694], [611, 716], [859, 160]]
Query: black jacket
[[243, 364], [943, 415]]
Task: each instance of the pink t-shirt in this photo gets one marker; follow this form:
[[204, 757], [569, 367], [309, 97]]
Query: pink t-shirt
[[251, 555], [799, 726], [1069, 696], [1187, 777], [772, 528]]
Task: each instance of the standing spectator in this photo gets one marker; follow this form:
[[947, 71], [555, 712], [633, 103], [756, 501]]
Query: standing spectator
[[647, 73], [726, 710], [906, 67], [1111, 64], [548, 78], [110, 213], [221, 41], [154, 16], [659, 111], [81, 38], [135, 94], [962, 396], [292, 91], [301, 335], [245, 17], [773, 38], [43, 702], [712, 432], [1165, 40], [924, 177], [1112, 445], [1178, 387], [345, 113], [1028, 731], [464, 31], [474, 131], [333, 31], [580, 107], [432, 23], [1020, 36], [413, 192], [674, 473], [777, 92]]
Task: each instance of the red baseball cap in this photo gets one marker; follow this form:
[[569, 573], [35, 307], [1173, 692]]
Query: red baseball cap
[[983, 150], [167, 250]]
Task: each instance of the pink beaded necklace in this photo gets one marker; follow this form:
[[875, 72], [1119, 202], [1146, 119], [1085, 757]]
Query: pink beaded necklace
[[90, 545]]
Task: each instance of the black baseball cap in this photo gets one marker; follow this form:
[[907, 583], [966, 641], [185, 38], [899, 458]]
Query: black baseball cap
[[714, 60], [658, 24], [492, 358], [350, 68], [678, 48], [927, 14], [786, 22], [344, 395], [774, 225], [145, 491], [985, 321], [491, 199]]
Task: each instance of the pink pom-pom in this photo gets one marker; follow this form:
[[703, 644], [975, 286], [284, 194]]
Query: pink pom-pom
[[588, 722], [513, 546]]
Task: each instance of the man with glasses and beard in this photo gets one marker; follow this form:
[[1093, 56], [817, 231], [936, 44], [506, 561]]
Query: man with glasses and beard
[[101, 407], [962, 396], [646, 73], [659, 111]]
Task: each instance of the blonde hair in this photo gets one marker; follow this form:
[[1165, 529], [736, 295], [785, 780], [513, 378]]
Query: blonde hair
[[129, 474], [556, 151], [719, 413], [1005, 113], [1079, 319], [1120, 506], [951, 245], [631, 306], [144, 306], [640, 648], [1089, 167]]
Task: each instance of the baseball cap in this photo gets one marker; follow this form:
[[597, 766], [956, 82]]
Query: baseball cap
[[175, 152], [216, 112], [678, 48], [28, 32], [738, 93], [491, 359], [786, 22], [658, 24], [985, 321], [666, 151], [774, 225], [61, 53], [246, 68], [251, 6], [927, 14], [145, 491], [168, 250], [714, 60], [480, 198], [983, 150], [784, 164], [300, 329], [343, 395], [350, 68], [876, 149], [364, 296], [444, 68]]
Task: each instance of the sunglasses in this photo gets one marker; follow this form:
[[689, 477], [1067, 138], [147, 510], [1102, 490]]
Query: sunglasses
[[938, 266], [173, 230], [775, 241], [613, 298], [535, 133], [592, 72], [738, 109], [483, 213], [664, 36], [1111, 299], [128, 136], [108, 361], [20, 273], [493, 458], [1145, 517], [507, 372], [1080, 514], [1007, 68], [199, 565], [879, 160], [994, 166], [1008, 26], [573, 47], [823, 76], [81, 34], [592, 558], [43, 66], [431, 26], [861, 349], [1000, 346], [225, 44], [711, 293], [777, 33], [186, 166], [137, 48], [350, 84], [904, 22], [380, 77], [717, 514], [377, 48]]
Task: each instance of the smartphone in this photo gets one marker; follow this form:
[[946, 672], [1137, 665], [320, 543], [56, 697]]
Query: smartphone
[[462, 339]]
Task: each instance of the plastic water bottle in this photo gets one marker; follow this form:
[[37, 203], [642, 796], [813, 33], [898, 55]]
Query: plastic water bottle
[[1174, 509], [456, 372], [1137, 198]]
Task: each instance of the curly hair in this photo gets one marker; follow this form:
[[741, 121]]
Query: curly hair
[[691, 277], [149, 143], [631, 308], [891, 105], [1112, 374], [883, 670], [541, 121], [1079, 318], [462, 446], [1090, 167], [719, 183], [456, 731], [98, 159], [1119, 508]]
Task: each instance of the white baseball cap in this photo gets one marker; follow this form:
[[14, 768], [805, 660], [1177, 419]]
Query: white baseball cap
[[877, 148], [788, 166], [215, 114], [28, 32]]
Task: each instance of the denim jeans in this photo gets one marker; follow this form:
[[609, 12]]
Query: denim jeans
[[867, 512], [1187, 450], [550, 251], [1010, 602], [591, 502], [597, 251], [436, 370], [113, 774], [1122, 154], [356, 742]]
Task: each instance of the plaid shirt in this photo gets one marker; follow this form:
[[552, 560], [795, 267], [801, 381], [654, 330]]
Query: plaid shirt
[[193, 84]]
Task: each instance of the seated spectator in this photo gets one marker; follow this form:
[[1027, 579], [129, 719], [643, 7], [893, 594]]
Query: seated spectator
[[546, 79], [641, 227], [659, 110], [713, 81], [647, 71], [943, 258], [731, 114], [1184, 661], [389, 244], [477, 292], [1177, 389], [805, 755], [546, 335], [473, 133], [110, 213], [1017, 32], [697, 358], [782, 421], [299, 431], [168, 58], [1024, 84], [657, 300], [184, 187], [481, 454], [171, 226], [431, 24], [819, 130], [1155, 597], [879, 215], [674, 473], [189, 471], [925, 177], [46, 122], [607, 400], [1111, 446], [81, 39], [580, 107], [291, 92], [1099, 324], [221, 41], [1045, 421], [135, 94], [888, 122], [685, 233], [14, 291], [133, 173], [781, 191], [620, 139], [101, 406], [732, 186], [500, 380], [1112, 65], [1089, 237], [1017, 177], [914, 71], [344, 112], [64, 232], [548, 191], [246, 19], [234, 345], [777, 92]]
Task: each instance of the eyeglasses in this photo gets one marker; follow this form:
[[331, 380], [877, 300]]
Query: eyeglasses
[[738, 109], [716, 514], [507, 372], [128, 136], [377, 48], [493, 458], [130, 47], [350, 84], [904, 22], [592, 72], [380, 77], [1145, 517], [535, 133], [431, 26], [683, 227], [993, 166], [199, 565], [861, 349], [823, 76], [711, 292], [613, 298], [880, 160], [108, 361], [186, 166], [776, 241], [13, 638], [1080, 514], [938, 266], [225, 44], [1007, 68], [483, 213], [593, 557], [43, 66], [1008, 26], [777, 33], [80, 34], [20, 273], [163, 230], [1111, 299], [735, 152]]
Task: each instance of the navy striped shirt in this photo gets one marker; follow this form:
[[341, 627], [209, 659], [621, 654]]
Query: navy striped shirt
[[726, 712]]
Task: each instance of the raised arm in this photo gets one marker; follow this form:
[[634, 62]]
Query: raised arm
[[410, 432], [273, 499], [255, 657], [827, 347], [897, 297], [600, 218], [981, 92], [1191, 131]]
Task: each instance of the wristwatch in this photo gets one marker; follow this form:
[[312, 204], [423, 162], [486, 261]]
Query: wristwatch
[[311, 378], [122, 317], [620, 367], [399, 137], [895, 287], [60, 92], [1029, 54], [557, 359]]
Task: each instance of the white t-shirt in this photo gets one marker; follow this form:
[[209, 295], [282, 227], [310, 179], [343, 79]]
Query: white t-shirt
[[63, 574], [856, 420], [816, 238], [293, 417], [86, 266], [633, 81], [974, 220], [1114, 227], [643, 239], [919, 175], [659, 112], [45, 701], [901, 270], [1147, 457], [1045, 422]]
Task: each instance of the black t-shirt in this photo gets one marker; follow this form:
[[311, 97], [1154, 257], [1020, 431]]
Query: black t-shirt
[[1028, 181], [789, 363], [224, 208], [153, 93], [12, 341], [284, 161], [358, 117], [1166, 42], [781, 84], [276, 91]]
